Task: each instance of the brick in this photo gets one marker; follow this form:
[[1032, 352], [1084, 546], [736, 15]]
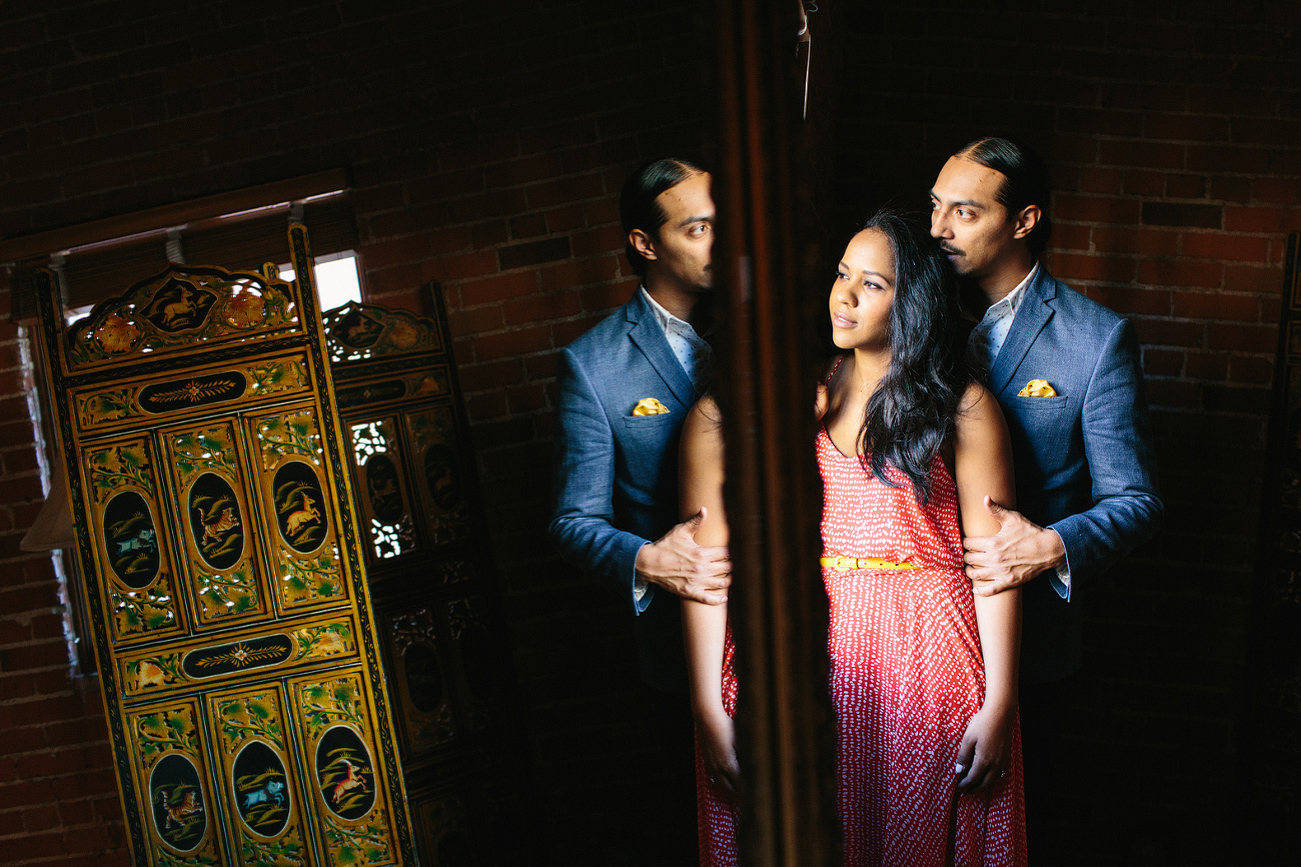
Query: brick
[[1172, 272], [480, 407], [1242, 338], [1186, 127], [572, 189], [1185, 186], [40, 818], [1251, 370], [490, 234], [1282, 191], [1163, 332], [1129, 300], [464, 265], [1216, 158], [1182, 214], [1229, 398], [1252, 278], [1140, 154], [607, 239], [1215, 305], [1128, 239], [528, 226], [511, 343], [464, 323], [1162, 362], [1226, 247], [1065, 236], [497, 288], [578, 273], [1207, 366], [38, 846], [602, 299], [567, 217], [1230, 188], [1096, 209], [1143, 183], [538, 367], [526, 398], [533, 253], [541, 308], [495, 374], [1167, 392], [1072, 266], [499, 203], [1271, 220]]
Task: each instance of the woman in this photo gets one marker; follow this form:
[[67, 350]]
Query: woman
[[923, 673], [709, 643]]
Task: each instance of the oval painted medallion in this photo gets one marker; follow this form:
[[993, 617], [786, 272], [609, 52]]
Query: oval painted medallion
[[344, 773], [442, 477], [424, 677], [131, 539], [176, 798], [383, 489], [300, 506], [261, 789], [216, 522]]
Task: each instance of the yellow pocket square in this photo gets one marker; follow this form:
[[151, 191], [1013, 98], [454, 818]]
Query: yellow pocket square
[[649, 406], [1037, 388]]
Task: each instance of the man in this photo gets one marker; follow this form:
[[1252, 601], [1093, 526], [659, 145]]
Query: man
[[625, 389], [1066, 372]]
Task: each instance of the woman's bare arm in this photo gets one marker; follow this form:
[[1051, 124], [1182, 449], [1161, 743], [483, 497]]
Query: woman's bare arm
[[982, 457], [700, 486]]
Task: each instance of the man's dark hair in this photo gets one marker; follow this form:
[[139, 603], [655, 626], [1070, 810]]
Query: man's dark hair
[[637, 206], [1025, 181]]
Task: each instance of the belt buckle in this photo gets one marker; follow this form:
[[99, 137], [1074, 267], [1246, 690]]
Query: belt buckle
[[846, 564]]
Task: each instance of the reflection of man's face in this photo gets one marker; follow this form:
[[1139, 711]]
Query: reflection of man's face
[[681, 255], [966, 217]]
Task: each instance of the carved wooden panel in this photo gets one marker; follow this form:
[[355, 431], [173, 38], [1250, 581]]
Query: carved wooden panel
[[224, 573], [426, 548]]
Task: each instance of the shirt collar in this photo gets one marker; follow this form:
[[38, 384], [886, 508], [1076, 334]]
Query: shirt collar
[[666, 319], [1012, 300]]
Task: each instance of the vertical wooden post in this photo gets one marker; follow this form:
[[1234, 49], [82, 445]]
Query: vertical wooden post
[[766, 377]]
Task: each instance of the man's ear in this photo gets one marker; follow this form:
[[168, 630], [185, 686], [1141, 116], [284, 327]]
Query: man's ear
[[642, 243], [1026, 221]]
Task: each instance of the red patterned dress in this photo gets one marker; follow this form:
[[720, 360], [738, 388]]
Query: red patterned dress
[[716, 819], [906, 676]]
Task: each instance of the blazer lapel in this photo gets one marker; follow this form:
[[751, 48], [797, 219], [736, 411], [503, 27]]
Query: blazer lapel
[[1031, 317], [647, 335]]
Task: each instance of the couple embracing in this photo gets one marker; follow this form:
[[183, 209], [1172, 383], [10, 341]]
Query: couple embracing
[[975, 479]]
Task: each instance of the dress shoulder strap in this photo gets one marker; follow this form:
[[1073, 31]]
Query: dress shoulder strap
[[834, 368]]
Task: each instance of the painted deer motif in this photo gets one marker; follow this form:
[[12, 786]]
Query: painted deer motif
[[225, 521], [180, 308], [177, 812], [306, 515], [352, 781]]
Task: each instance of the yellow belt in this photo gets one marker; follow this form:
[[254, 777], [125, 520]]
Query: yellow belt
[[844, 564]]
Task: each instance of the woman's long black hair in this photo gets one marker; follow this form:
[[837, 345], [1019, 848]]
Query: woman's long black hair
[[915, 406]]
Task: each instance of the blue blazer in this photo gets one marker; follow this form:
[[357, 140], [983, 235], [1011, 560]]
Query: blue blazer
[[1084, 461], [616, 481]]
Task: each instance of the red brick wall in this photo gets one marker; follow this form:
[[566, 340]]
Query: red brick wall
[[1174, 135], [486, 146]]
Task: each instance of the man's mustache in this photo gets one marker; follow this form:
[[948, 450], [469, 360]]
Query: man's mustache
[[951, 249]]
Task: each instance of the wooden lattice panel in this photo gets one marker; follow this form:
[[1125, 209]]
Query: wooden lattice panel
[[224, 573]]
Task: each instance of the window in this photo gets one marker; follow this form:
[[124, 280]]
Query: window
[[239, 231]]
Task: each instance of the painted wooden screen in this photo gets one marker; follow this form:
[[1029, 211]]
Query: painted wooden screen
[[426, 548], [223, 573]]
